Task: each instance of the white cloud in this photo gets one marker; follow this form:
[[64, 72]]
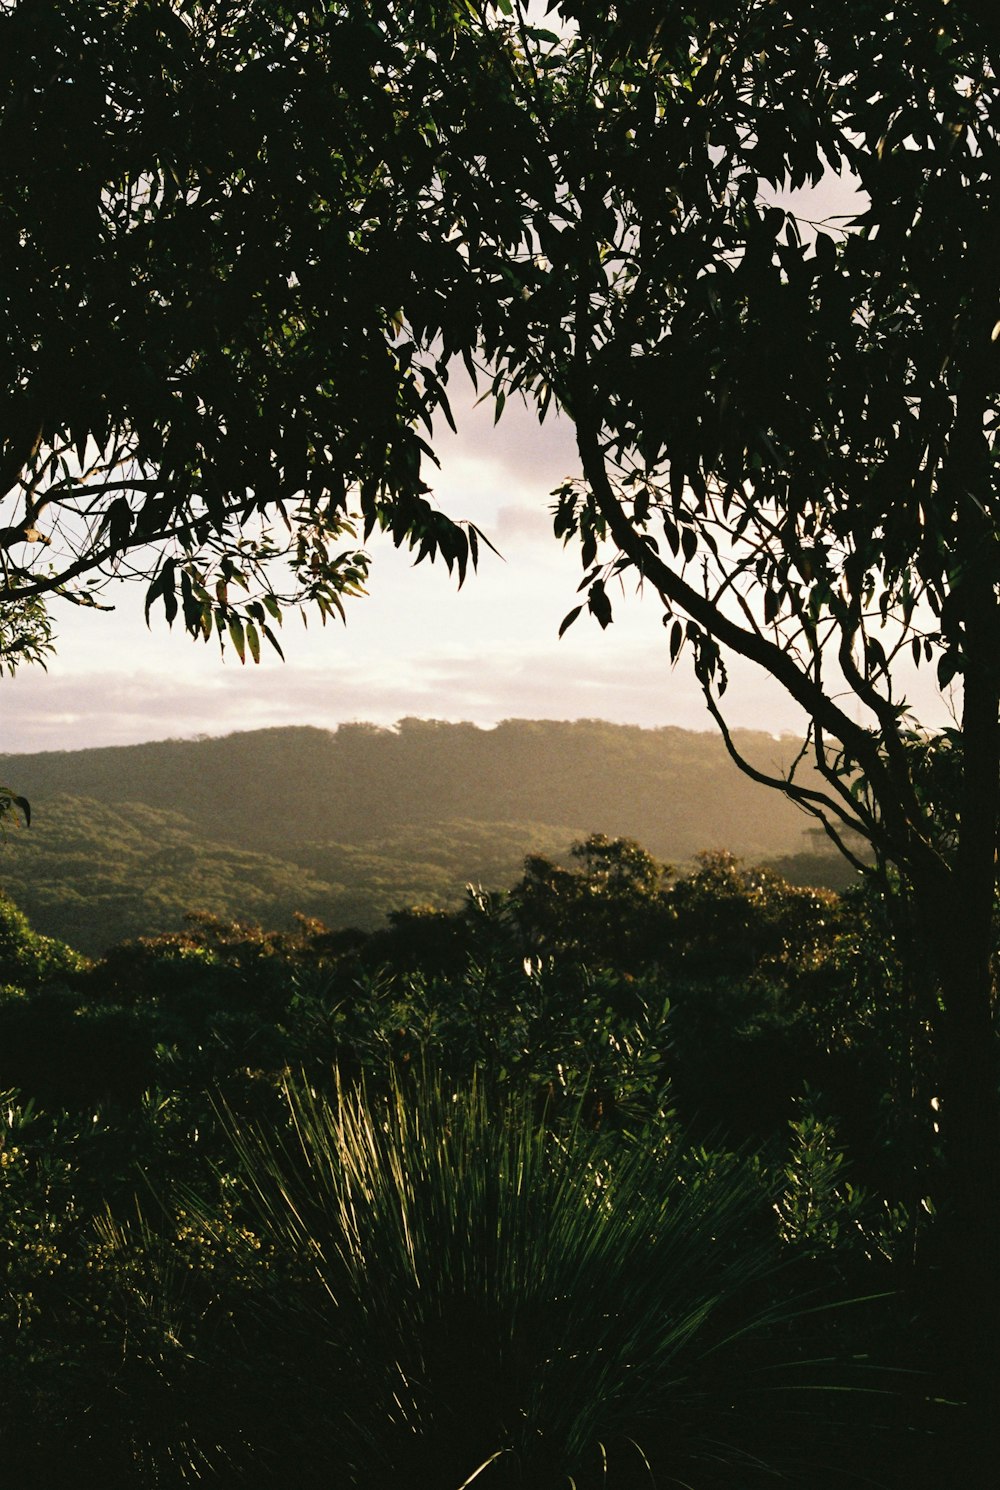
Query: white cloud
[[591, 675], [524, 524]]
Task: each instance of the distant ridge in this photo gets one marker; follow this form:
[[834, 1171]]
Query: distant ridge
[[347, 824]]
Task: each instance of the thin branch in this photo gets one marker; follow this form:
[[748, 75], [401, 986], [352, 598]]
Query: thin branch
[[815, 803], [903, 829]]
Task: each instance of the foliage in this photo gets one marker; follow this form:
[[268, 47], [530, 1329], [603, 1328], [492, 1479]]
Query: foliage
[[25, 634], [786, 431], [454, 1290], [74, 1388], [820, 1207], [717, 993], [28, 960], [102, 874], [186, 397], [777, 506], [786, 418], [199, 1317], [673, 789], [612, 898], [592, 214]]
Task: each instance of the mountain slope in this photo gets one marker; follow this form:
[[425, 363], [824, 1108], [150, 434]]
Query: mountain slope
[[346, 825]]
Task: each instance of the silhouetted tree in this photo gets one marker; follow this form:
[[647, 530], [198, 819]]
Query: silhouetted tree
[[786, 426]]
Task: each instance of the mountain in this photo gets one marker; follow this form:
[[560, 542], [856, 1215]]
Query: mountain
[[345, 825]]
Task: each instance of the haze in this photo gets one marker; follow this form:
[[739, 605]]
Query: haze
[[415, 646]]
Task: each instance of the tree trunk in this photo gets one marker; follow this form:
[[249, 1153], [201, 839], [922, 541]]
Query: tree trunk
[[964, 919], [966, 1299], [960, 923]]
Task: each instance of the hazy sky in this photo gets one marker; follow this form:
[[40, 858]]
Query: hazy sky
[[416, 645]]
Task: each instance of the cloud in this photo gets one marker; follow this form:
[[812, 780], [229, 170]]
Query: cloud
[[524, 524], [516, 456], [592, 676]]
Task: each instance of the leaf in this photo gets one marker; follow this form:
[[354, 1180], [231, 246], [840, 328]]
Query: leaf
[[676, 640], [599, 605], [237, 637], [826, 250], [253, 641], [274, 641], [119, 522], [162, 585], [569, 619]]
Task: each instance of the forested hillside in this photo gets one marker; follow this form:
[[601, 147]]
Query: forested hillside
[[350, 824]]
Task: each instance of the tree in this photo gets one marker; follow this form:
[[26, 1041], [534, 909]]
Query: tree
[[786, 421], [608, 912], [216, 271]]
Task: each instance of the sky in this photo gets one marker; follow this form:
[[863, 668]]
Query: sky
[[416, 645]]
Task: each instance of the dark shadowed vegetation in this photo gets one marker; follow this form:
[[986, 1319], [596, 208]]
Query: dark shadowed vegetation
[[611, 1173], [683, 1120]]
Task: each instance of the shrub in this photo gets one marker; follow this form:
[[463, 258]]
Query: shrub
[[454, 1291]]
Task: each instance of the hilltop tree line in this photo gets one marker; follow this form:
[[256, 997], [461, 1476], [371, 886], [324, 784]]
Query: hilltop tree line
[[348, 825]]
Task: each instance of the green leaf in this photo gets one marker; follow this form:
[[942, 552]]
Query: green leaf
[[274, 641], [253, 641], [237, 637]]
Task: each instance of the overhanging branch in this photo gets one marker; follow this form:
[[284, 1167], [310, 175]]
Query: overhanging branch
[[900, 830]]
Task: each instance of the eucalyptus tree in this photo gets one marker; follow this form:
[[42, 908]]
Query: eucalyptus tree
[[786, 419], [213, 251], [785, 426]]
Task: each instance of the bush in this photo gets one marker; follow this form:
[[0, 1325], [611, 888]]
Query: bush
[[424, 1289]]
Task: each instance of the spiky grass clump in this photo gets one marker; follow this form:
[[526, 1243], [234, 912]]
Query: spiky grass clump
[[471, 1295]]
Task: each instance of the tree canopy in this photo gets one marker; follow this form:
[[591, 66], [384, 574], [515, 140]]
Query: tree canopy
[[241, 246], [787, 421], [219, 276], [777, 417]]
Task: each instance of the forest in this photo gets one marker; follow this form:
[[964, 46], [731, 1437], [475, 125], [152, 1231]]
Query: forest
[[522, 1158], [614, 1174], [350, 824]]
